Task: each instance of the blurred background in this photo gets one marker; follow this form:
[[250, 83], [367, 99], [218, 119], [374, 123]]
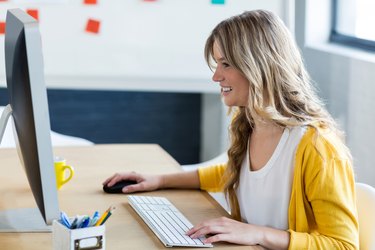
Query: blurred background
[[133, 71]]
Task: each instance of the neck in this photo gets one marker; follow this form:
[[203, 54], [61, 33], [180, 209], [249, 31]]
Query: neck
[[262, 127]]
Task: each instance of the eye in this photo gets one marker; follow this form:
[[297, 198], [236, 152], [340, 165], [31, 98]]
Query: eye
[[225, 64]]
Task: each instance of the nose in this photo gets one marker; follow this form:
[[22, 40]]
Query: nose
[[217, 77]]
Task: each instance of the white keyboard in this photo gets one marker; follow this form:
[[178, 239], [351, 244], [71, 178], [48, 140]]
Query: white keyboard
[[165, 220]]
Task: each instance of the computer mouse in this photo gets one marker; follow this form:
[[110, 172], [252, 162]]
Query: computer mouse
[[117, 188]]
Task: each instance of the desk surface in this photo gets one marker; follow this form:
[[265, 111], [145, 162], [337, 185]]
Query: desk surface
[[83, 194]]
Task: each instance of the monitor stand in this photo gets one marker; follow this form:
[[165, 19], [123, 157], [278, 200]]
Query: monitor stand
[[4, 120], [19, 219], [22, 220]]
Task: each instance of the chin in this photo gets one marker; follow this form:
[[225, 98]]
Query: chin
[[229, 103]]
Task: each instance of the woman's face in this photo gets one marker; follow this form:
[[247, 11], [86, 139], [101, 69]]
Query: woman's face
[[234, 85]]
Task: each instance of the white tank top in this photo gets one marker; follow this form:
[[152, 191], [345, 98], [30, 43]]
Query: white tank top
[[264, 195]]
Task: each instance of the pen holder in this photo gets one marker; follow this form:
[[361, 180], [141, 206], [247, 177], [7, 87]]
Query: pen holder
[[88, 238]]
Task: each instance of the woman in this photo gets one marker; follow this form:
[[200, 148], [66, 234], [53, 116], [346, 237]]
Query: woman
[[289, 178]]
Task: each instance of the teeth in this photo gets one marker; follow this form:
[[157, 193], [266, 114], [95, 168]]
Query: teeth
[[227, 89]]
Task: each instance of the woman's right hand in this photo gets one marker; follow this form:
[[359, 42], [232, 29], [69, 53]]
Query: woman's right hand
[[144, 182]]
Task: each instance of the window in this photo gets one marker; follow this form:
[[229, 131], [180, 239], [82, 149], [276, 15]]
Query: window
[[353, 23]]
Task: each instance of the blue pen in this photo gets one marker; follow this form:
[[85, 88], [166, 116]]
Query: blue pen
[[85, 222], [94, 219], [80, 220], [64, 219]]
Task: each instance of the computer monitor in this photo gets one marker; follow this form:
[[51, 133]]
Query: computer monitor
[[29, 109]]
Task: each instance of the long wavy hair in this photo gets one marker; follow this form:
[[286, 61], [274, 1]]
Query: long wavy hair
[[258, 44]]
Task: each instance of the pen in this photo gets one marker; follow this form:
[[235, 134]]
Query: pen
[[85, 222], [94, 219], [74, 223], [64, 219], [104, 215]]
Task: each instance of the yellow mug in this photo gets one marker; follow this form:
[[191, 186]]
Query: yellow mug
[[64, 173]]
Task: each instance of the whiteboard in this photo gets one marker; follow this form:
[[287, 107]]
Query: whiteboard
[[140, 44]]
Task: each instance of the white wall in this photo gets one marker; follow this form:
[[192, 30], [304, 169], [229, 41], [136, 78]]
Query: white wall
[[141, 45], [346, 79]]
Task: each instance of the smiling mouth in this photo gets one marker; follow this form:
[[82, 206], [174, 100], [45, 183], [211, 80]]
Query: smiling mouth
[[226, 89]]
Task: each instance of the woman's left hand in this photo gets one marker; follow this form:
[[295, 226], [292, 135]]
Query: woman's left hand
[[229, 230]]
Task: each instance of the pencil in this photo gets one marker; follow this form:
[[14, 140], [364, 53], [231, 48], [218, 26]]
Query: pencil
[[108, 214], [102, 218]]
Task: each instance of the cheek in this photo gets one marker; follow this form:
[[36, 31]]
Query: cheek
[[245, 95], [245, 88]]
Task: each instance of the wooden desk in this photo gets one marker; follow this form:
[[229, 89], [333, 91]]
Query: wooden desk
[[83, 194]]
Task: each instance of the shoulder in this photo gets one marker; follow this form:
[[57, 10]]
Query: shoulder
[[322, 152], [323, 143], [322, 160]]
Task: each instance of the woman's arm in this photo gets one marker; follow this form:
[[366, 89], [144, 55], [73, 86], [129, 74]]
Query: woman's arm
[[207, 178], [229, 230], [188, 180]]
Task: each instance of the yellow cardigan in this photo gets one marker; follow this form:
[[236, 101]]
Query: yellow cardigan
[[322, 209]]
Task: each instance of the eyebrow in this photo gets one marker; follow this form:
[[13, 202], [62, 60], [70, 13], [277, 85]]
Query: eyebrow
[[221, 59]]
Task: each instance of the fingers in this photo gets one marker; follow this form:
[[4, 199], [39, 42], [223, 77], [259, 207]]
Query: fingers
[[108, 179], [119, 177], [133, 188], [204, 230], [217, 221], [116, 178], [217, 238], [217, 227]]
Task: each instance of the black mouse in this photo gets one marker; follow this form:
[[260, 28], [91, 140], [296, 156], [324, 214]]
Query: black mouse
[[117, 188]]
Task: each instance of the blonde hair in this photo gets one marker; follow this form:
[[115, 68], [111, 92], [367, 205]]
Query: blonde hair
[[258, 44]]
